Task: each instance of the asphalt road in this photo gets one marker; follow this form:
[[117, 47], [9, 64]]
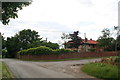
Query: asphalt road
[[60, 69]]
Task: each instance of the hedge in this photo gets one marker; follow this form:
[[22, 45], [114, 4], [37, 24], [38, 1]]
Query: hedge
[[42, 50], [92, 49]]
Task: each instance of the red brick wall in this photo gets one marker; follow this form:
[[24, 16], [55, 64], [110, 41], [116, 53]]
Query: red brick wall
[[70, 55]]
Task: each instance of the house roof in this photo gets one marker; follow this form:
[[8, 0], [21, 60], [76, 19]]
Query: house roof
[[90, 41]]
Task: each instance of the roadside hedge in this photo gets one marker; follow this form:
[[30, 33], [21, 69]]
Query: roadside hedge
[[42, 50], [62, 51], [92, 49]]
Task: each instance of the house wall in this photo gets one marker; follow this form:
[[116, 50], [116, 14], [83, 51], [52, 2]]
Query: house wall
[[67, 56]]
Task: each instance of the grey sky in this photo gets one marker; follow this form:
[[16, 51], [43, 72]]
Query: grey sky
[[52, 17]]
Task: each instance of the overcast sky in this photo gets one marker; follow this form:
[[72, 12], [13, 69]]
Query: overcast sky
[[51, 18]]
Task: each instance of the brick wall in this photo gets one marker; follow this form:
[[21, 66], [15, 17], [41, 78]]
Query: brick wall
[[67, 56]]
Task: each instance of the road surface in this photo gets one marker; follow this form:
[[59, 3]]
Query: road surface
[[59, 69]]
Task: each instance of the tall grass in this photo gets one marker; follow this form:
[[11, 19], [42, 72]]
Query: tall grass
[[100, 70], [5, 71]]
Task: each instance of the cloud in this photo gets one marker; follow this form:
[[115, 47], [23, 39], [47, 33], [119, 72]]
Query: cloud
[[52, 17]]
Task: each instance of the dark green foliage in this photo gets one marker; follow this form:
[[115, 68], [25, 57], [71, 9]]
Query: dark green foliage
[[4, 53], [92, 49], [50, 45], [76, 40], [12, 46], [44, 43], [42, 50], [106, 41], [27, 37], [118, 42], [10, 10], [23, 40], [117, 59], [3, 42], [62, 51]]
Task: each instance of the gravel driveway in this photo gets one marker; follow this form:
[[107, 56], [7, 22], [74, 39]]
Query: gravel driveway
[[59, 69]]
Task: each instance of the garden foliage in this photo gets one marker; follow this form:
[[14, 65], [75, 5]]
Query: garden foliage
[[42, 50]]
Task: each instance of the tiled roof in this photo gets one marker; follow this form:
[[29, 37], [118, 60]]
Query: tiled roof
[[90, 41]]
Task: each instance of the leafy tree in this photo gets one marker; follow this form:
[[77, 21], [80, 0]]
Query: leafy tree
[[3, 42], [118, 42], [106, 41], [52, 45], [44, 43], [65, 37], [12, 46], [76, 40], [10, 10], [27, 37], [23, 40]]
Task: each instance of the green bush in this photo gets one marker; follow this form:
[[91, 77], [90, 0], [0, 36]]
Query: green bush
[[62, 51], [92, 49], [117, 59], [22, 52], [42, 50], [4, 53]]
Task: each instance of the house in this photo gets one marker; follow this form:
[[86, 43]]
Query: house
[[87, 45], [84, 46]]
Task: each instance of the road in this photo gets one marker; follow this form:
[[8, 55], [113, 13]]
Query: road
[[59, 69]]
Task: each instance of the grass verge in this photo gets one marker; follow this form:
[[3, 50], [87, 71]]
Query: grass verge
[[0, 70], [103, 71], [70, 59], [5, 72]]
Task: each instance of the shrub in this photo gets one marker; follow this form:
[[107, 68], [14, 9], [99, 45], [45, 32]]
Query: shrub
[[117, 59], [22, 52], [92, 49], [42, 50], [62, 51], [4, 53]]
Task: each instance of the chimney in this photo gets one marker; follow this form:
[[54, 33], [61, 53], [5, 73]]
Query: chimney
[[46, 39]]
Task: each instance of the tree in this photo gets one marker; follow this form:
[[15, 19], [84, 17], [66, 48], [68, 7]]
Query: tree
[[10, 9], [106, 41], [118, 42], [3, 42], [12, 46], [44, 43], [51, 45], [23, 40], [65, 37], [27, 37], [76, 40]]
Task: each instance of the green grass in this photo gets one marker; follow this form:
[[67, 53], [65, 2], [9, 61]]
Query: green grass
[[100, 70], [60, 59], [5, 72], [0, 70]]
